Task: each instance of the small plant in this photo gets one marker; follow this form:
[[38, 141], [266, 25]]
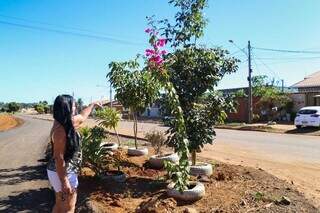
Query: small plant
[[93, 153], [258, 196], [157, 139], [109, 118]]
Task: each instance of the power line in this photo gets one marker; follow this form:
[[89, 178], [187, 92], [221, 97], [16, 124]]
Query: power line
[[285, 62], [257, 67], [85, 35], [59, 26], [287, 51], [290, 58], [237, 52], [268, 68]]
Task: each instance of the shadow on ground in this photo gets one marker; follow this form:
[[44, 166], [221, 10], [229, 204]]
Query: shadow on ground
[[305, 130], [39, 200], [22, 174]]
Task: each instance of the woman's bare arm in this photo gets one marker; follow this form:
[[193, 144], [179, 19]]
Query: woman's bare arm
[[79, 119]]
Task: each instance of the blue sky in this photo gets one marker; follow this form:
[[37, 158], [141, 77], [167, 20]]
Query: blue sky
[[38, 65]]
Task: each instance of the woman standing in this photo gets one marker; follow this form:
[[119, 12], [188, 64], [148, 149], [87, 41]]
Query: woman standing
[[64, 165]]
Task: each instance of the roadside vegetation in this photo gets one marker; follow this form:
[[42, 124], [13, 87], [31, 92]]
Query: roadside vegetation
[[7, 121], [272, 103], [11, 107]]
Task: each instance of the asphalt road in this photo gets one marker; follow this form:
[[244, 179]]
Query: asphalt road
[[23, 181]]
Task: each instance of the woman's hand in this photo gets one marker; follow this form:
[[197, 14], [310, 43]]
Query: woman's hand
[[98, 104], [79, 119], [66, 187]]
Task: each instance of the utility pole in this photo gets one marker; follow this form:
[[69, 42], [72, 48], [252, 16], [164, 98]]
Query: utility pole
[[282, 85], [250, 85], [250, 108]]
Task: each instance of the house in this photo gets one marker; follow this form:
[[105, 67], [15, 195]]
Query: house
[[151, 112], [116, 105], [309, 90]]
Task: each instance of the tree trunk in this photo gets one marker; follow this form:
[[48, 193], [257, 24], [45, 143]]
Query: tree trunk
[[194, 157], [117, 136], [135, 127]]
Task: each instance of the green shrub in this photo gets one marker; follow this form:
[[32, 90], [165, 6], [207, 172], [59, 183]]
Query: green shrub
[[94, 156], [13, 107], [157, 139]]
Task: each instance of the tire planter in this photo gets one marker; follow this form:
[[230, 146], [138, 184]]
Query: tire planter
[[195, 192], [138, 152], [201, 169], [115, 175], [157, 161], [110, 146], [123, 147]]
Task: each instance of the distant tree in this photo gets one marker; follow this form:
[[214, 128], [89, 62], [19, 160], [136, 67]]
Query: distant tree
[[44, 102], [42, 107], [39, 108], [13, 107], [239, 93], [271, 97]]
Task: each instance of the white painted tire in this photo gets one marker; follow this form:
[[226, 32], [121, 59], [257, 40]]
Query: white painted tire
[[157, 161], [138, 152], [109, 146], [201, 169], [194, 194]]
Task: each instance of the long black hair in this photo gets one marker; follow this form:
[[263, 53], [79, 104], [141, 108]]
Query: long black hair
[[62, 113]]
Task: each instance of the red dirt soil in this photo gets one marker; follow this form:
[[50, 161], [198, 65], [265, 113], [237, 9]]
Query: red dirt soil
[[8, 122], [230, 189]]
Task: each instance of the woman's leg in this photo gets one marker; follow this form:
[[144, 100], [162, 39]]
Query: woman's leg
[[58, 204], [69, 204]]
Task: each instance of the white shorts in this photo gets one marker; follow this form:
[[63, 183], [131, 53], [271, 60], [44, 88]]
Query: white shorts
[[56, 183]]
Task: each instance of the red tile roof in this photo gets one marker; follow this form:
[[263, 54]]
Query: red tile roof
[[312, 80]]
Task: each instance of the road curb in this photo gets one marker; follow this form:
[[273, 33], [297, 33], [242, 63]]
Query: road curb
[[111, 133]]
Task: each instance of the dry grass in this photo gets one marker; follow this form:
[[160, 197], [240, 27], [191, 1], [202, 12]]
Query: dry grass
[[8, 122]]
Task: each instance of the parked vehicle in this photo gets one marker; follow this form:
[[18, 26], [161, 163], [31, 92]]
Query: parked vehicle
[[308, 116]]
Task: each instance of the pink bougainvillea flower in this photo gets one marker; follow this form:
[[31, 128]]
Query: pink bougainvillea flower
[[148, 30], [149, 52], [160, 61], [156, 59], [161, 42], [163, 52]]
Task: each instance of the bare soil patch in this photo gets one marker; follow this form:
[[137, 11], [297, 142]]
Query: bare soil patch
[[231, 188], [8, 122]]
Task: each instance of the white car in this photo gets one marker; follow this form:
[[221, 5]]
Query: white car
[[308, 116]]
